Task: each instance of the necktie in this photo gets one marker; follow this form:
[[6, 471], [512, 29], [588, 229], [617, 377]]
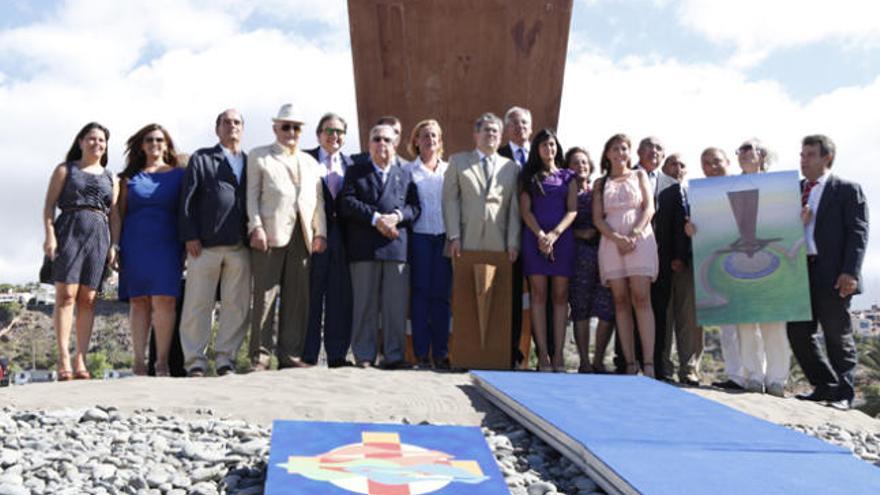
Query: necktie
[[805, 196], [333, 181], [685, 203], [486, 171], [521, 156]]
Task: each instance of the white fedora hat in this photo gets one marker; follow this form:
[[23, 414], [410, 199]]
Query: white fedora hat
[[286, 114]]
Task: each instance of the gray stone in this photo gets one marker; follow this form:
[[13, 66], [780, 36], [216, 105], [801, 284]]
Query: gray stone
[[9, 457], [11, 479], [94, 414], [103, 471], [10, 489], [583, 483], [203, 488], [541, 488]]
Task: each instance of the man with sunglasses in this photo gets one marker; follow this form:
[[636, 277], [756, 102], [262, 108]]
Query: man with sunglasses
[[379, 201], [213, 224], [286, 224], [329, 277]]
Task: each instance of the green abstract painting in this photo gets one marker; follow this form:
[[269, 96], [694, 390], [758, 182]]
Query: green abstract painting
[[750, 261]]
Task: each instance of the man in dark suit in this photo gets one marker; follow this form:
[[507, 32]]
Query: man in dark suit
[[518, 128], [379, 200], [835, 214], [394, 122], [329, 278], [676, 278]]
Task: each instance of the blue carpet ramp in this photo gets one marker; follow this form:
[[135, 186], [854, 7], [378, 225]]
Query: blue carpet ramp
[[634, 435], [320, 458]]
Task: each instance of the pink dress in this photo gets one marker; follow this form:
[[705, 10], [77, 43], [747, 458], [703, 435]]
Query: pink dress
[[622, 200]]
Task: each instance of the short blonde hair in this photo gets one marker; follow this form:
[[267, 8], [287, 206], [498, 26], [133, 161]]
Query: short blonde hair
[[413, 148]]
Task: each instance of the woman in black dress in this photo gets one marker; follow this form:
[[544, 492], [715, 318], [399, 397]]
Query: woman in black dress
[[81, 242]]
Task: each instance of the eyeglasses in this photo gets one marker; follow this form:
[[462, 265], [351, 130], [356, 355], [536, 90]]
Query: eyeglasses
[[231, 121], [745, 148], [288, 127], [382, 139], [331, 131], [151, 139]]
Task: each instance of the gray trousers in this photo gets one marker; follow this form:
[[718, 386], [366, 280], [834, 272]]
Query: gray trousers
[[375, 285], [284, 271]]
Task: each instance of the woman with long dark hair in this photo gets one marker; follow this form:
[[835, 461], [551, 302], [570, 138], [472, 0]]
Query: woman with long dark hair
[[78, 242], [151, 254], [622, 211], [548, 205]]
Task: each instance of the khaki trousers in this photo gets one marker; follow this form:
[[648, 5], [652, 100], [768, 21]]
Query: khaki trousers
[[682, 317], [284, 272], [231, 266]]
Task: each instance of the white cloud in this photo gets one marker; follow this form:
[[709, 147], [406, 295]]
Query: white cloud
[[758, 27]]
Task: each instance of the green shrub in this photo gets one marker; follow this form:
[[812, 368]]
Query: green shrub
[[96, 363]]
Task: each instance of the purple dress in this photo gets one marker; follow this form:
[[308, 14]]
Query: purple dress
[[548, 209], [586, 295]]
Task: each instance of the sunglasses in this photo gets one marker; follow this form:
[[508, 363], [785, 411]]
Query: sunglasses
[[288, 127], [382, 139], [331, 131], [151, 139]]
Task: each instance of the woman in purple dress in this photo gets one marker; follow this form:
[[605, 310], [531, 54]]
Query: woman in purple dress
[[548, 204], [151, 254], [586, 294]]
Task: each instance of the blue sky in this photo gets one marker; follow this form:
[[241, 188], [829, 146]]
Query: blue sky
[[693, 72]]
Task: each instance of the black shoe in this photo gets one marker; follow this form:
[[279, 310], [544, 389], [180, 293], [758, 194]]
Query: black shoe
[[196, 372], [364, 364], [841, 405], [225, 370], [443, 364], [396, 365], [339, 363], [814, 396], [689, 382], [424, 363], [728, 385]]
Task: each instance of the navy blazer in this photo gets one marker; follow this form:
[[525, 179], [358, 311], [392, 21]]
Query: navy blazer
[[331, 205], [672, 241], [212, 202], [841, 233], [362, 195]]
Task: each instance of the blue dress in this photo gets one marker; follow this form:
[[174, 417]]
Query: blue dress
[[150, 250]]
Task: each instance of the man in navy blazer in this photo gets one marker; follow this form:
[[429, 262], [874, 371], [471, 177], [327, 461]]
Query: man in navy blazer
[[329, 278], [379, 201], [835, 214], [213, 224]]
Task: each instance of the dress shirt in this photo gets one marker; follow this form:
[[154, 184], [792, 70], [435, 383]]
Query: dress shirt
[[652, 177], [490, 163], [430, 186], [332, 166], [236, 161], [515, 148], [813, 203]]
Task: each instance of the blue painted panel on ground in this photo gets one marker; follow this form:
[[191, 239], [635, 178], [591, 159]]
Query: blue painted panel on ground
[[663, 440], [311, 457]]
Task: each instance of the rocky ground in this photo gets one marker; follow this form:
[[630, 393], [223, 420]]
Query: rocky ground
[[102, 450]]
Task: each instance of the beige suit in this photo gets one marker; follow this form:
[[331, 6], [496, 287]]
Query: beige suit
[[282, 188], [483, 212], [284, 193]]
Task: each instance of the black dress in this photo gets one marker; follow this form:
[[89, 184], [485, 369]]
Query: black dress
[[82, 230]]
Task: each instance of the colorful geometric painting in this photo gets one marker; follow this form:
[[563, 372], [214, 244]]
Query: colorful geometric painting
[[379, 459], [749, 251]]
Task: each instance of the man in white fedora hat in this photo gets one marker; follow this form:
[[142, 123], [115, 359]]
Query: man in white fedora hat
[[286, 223]]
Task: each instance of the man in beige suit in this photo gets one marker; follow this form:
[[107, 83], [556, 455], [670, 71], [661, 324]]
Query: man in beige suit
[[480, 207], [286, 223]]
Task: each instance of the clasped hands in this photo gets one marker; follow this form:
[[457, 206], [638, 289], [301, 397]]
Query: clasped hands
[[626, 243], [546, 240], [386, 224]]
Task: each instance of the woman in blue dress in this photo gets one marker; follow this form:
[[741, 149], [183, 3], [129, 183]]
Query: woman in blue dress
[[151, 254], [78, 242]]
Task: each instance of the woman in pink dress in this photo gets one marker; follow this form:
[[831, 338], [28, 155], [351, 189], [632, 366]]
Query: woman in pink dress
[[622, 209]]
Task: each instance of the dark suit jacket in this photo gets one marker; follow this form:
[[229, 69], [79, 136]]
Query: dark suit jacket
[[331, 206], [362, 195], [841, 233], [672, 242], [212, 202], [507, 152]]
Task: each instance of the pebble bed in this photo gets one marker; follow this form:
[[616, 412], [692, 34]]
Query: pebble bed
[[105, 451]]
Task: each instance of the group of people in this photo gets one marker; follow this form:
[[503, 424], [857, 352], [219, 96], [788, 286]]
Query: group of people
[[343, 248]]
